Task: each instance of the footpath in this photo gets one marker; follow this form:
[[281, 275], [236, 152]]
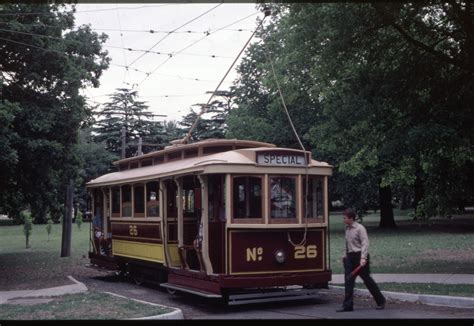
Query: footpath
[[337, 284]]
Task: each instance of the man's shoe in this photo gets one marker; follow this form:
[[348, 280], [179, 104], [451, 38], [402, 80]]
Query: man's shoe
[[380, 306], [344, 309]]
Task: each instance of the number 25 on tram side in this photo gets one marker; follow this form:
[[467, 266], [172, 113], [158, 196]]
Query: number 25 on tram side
[[244, 221]]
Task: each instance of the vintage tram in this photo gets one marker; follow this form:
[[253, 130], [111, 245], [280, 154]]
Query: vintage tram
[[240, 220]]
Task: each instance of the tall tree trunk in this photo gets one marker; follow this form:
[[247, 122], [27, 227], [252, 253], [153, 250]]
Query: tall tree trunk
[[67, 222], [387, 219]]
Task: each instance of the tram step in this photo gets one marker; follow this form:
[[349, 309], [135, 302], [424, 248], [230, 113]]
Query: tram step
[[272, 296], [193, 291]]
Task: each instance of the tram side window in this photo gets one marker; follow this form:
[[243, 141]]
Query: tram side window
[[139, 201], [247, 197], [314, 198], [282, 197], [126, 201], [115, 202], [152, 199]]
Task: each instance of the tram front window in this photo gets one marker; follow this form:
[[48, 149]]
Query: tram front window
[[282, 197], [247, 197]]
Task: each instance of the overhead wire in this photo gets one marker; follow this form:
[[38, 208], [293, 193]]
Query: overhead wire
[[164, 37], [205, 106], [193, 43], [123, 51], [150, 30], [82, 11]]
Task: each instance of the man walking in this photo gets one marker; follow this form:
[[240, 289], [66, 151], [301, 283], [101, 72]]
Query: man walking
[[356, 254]]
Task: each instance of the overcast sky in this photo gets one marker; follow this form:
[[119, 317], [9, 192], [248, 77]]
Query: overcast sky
[[171, 87]]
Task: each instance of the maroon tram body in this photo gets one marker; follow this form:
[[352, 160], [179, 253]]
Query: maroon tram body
[[244, 221]]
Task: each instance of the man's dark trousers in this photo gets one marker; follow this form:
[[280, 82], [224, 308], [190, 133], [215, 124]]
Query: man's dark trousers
[[350, 263]]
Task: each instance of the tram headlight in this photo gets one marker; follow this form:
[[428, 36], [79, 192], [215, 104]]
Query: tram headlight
[[280, 256]]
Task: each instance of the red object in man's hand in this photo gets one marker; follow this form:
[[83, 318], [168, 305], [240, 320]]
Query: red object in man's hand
[[354, 272]]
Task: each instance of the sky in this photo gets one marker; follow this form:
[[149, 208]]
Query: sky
[[205, 40]]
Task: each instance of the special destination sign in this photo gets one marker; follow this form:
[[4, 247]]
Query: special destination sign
[[280, 159]]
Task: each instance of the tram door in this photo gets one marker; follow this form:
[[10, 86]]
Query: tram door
[[170, 224], [190, 254], [217, 220]]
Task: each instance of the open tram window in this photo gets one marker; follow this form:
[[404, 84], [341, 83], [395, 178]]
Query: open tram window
[[139, 201], [126, 201], [247, 197], [314, 199], [115, 202], [282, 197], [191, 197], [152, 199]]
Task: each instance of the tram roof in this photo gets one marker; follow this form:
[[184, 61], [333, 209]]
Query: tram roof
[[207, 143], [233, 161]]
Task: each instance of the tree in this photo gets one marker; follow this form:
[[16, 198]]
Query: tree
[[386, 89], [125, 110], [45, 61], [211, 124]]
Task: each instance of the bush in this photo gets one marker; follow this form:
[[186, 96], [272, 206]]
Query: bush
[[49, 224], [27, 227], [79, 219]]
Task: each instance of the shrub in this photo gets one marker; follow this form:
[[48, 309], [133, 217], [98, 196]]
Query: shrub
[[49, 224], [79, 219], [27, 227]]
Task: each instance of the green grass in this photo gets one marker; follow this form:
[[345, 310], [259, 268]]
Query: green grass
[[433, 246], [90, 305]]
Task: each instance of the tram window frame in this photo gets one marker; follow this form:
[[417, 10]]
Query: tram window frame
[[152, 187], [116, 201], [126, 205], [295, 193], [251, 219], [322, 200], [139, 200]]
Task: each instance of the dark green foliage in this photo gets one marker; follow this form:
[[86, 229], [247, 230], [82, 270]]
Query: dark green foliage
[[125, 110], [381, 91], [45, 61]]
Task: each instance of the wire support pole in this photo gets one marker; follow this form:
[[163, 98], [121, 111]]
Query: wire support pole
[[204, 108]]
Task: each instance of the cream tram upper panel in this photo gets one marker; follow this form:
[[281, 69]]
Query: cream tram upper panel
[[245, 161]]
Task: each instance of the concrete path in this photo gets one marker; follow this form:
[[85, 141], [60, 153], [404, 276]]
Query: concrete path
[[413, 278], [440, 300], [77, 287]]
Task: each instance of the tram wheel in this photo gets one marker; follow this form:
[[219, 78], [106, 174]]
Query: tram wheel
[[138, 278]]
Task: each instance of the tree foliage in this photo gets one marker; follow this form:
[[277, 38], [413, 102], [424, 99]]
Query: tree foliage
[[45, 61], [382, 91], [124, 110]]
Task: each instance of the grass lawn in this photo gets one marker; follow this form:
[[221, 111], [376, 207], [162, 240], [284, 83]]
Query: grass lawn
[[90, 305], [433, 246]]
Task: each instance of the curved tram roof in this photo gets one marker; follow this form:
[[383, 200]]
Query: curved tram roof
[[241, 156]]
